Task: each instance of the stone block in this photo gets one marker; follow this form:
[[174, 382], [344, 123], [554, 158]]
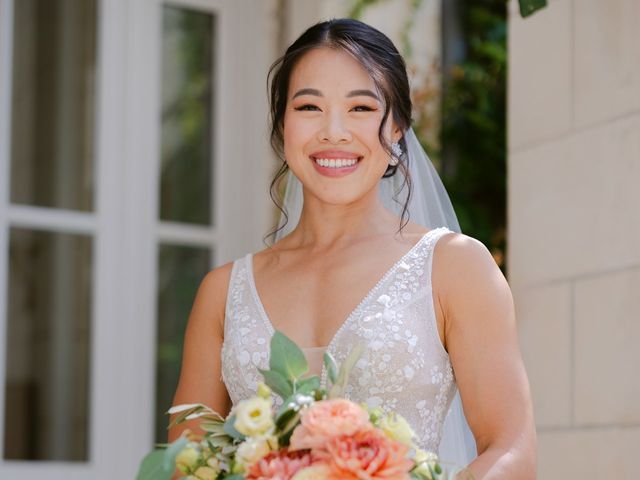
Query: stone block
[[539, 83], [544, 330], [607, 329]]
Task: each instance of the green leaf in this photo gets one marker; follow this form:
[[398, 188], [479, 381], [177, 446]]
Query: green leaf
[[152, 467], [216, 428], [308, 385], [286, 357], [337, 390], [331, 366], [230, 429], [235, 476], [277, 382], [528, 7]]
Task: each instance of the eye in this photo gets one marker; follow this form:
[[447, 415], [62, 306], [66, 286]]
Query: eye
[[306, 108], [363, 108]]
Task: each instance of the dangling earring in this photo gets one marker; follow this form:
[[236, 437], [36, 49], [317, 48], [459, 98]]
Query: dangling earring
[[396, 151]]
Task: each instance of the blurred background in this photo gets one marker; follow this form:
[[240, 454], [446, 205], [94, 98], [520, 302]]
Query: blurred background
[[134, 158]]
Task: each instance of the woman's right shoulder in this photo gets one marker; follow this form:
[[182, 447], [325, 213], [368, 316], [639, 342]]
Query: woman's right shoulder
[[211, 296]]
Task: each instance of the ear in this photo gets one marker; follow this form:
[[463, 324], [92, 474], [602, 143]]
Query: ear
[[396, 134]]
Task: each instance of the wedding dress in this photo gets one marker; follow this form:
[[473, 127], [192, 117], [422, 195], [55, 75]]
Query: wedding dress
[[404, 367]]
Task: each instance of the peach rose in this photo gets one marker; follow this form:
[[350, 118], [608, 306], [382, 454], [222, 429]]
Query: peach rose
[[317, 471], [279, 465], [367, 455], [326, 419]]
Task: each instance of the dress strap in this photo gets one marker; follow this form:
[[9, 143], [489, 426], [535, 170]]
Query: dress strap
[[235, 279], [431, 317]]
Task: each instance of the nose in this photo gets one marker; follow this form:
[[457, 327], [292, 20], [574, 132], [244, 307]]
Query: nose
[[334, 129]]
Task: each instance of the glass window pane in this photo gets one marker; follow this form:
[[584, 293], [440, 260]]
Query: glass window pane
[[181, 270], [187, 54], [47, 378], [53, 99]]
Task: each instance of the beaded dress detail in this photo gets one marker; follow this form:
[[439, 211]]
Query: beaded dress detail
[[404, 366]]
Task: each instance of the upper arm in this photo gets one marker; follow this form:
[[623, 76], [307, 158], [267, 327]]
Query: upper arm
[[481, 337], [200, 375]]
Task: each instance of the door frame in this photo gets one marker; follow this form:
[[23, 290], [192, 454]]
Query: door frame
[[124, 224]]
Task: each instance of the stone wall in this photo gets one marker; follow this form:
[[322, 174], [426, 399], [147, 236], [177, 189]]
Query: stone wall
[[574, 230]]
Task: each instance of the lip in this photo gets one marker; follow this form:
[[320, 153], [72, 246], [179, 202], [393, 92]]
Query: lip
[[329, 154]]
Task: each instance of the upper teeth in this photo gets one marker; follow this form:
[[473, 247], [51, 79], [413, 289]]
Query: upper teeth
[[336, 162]]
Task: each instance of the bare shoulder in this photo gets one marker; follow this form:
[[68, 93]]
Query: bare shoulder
[[211, 297], [462, 253], [464, 270]]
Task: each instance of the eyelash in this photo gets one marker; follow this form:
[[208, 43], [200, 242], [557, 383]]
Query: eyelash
[[308, 107]]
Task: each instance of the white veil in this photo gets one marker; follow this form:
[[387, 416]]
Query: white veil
[[431, 207]]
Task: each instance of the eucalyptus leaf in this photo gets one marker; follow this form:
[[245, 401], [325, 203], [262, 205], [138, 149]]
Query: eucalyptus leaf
[[152, 467], [172, 452], [286, 357], [331, 366], [277, 382], [230, 429], [308, 385]]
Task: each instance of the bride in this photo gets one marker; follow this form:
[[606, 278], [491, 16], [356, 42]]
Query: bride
[[434, 310]]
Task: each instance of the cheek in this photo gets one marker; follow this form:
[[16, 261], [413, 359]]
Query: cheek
[[295, 133]]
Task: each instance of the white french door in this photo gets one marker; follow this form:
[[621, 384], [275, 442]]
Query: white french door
[[133, 159]]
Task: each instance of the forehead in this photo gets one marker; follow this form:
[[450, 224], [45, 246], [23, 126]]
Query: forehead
[[329, 69]]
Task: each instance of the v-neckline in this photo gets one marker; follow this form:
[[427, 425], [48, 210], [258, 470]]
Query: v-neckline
[[270, 326]]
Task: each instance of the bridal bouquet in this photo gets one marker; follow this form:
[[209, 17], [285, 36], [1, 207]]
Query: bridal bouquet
[[315, 435]]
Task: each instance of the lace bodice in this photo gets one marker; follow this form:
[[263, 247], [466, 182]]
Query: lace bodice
[[404, 367]]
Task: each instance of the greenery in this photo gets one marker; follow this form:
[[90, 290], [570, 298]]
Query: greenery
[[473, 127]]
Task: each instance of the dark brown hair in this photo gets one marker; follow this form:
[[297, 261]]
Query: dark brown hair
[[377, 54]]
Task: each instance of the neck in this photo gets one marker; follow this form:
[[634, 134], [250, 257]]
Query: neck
[[326, 226]]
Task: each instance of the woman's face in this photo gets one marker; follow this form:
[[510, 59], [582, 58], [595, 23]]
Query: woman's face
[[331, 127]]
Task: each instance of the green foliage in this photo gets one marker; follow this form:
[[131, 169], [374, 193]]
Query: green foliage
[[286, 358], [160, 464], [473, 131], [527, 7], [338, 388]]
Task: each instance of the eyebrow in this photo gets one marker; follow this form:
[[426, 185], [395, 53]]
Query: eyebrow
[[317, 93]]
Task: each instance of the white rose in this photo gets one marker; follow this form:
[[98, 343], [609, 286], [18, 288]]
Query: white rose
[[253, 416], [397, 428], [254, 448]]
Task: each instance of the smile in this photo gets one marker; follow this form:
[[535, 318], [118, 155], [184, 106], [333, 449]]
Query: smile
[[336, 162]]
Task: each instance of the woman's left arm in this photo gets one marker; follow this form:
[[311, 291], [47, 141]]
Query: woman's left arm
[[481, 338]]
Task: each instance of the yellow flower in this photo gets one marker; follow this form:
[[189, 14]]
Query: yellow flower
[[187, 459], [319, 471], [263, 390], [254, 448], [206, 473], [253, 416], [397, 428]]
